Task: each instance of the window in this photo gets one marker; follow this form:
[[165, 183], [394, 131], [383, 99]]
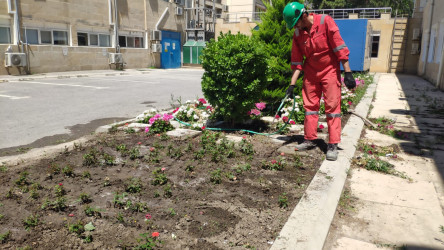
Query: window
[[82, 39], [5, 35], [88, 39], [45, 37], [375, 44], [60, 37], [104, 40], [131, 42], [31, 36]]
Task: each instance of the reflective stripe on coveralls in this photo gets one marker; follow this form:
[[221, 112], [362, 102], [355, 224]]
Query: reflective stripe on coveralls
[[296, 63], [323, 48], [312, 113]]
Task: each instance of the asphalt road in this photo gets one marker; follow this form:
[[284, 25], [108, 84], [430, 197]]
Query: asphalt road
[[48, 111]]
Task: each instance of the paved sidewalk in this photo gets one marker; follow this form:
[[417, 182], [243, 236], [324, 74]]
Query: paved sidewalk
[[392, 212]]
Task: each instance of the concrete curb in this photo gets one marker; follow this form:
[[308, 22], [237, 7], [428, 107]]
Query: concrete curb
[[309, 223]]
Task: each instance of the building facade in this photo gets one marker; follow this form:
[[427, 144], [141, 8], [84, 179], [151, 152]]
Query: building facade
[[430, 65], [67, 35]]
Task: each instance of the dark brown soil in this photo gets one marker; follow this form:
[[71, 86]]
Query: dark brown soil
[[192, 210]]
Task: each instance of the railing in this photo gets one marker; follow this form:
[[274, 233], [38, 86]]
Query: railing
[[236, 16], [367, 13]]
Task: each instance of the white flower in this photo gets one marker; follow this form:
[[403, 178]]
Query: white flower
[[298, 97], [140, 117], [196, 117], [188, 102], [297, 109]]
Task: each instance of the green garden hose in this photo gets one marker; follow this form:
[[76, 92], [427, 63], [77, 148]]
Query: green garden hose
[[249, 131]]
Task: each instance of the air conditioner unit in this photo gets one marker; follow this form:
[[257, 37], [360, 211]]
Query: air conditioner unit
[[156, 48], [115, 58], [226, 8], [179, 11], [156, 35], [15, 59]]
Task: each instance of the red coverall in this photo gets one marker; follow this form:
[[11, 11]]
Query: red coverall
[[323, 49]]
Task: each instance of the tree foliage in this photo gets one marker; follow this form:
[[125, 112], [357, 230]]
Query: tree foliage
[[403, 6], [278, 40]]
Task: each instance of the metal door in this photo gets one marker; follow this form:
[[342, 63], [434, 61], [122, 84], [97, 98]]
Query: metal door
[[170, 56]]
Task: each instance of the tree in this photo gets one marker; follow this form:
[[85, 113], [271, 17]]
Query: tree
[[278, 40]]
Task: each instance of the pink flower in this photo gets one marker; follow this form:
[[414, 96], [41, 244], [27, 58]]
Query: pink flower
[[202, 101], [139, 143], [273, 161], [292, 122], [147, 216], [285, 119], [126, 124], [167, 117], [244, 137], [147, 129], [152, 149], [277, 117], [321, 126], [209, 107], [203, 127], [152, 120], [370, 152], [282, 154], [71, 215], [163, 169], [157, 135], [60, 184], [349, 103], [155, 234], [260, 105], [175, 110], [255, 112]]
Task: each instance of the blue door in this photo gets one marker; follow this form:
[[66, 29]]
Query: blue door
[[354, 33], [170, 56]]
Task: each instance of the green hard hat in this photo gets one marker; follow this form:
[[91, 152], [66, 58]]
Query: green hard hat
[[292, 13]]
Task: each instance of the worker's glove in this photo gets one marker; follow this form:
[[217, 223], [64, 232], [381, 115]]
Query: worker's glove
[[349, 80], [289, 92]]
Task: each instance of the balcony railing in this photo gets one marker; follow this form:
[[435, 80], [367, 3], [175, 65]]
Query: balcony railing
[[236, 16], [366, 13]]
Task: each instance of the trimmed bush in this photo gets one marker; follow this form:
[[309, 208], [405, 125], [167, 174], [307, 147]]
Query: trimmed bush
[[235, 75]]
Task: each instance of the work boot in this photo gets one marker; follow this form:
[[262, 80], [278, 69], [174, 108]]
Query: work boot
[[306, 145], [332, 152]]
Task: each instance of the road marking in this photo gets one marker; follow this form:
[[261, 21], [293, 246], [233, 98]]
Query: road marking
[[68, 85], [14, 97], [137, 81]]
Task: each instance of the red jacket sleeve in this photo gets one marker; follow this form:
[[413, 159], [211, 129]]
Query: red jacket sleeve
[[296, 54], [335, 40]]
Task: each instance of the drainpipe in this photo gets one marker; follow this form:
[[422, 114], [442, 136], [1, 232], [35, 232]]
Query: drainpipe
[[16, 23], [428, 40], [116, 28], [441, 65], [160, 19]]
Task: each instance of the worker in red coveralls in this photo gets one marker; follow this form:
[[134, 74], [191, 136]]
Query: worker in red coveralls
[[316, 38]]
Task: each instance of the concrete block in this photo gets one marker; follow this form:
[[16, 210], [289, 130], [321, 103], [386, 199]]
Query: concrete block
[[183, 134]]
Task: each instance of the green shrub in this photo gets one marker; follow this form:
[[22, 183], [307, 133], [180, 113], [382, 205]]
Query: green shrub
[[234, 75]]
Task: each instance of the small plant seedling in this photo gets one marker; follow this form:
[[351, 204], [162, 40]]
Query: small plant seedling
[[90, 158], [86, 175], [84, 198], [3, 168], [31, 221], [283, 200], [59, 190], [172, 211], [159, 177], [216, 176], [23, 179], [4, 237], [167, 191], [120, 218], [77, 228], [68, 171], [93, 212], [133, 185]]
